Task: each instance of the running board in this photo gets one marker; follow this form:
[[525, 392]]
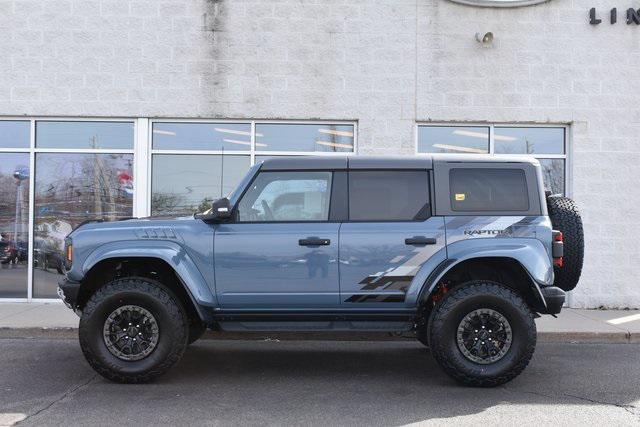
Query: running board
[[388, 321], [314, 326]]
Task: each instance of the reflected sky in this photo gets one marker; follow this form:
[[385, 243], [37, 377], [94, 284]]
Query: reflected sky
[[182, 182], [84, 135], [304, 137], [450, 139], [528, 140], [202, 136], [14, 134]]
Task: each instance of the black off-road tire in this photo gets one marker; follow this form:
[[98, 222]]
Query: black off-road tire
[[461, 301], [151, 295], [565, 217], [196, 330]]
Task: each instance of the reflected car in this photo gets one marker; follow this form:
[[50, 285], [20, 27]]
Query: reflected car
[[10, 252], [47, 255]]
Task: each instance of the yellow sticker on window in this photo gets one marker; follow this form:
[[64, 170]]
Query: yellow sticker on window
[[460, 197]]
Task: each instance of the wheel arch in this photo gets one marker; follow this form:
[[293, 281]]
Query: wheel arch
[[502, 269], [109, 268]]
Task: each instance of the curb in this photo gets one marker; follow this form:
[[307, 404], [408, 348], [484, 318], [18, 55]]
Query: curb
[[621, 337]]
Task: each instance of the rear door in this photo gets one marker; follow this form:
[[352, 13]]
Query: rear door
[[389, 235]]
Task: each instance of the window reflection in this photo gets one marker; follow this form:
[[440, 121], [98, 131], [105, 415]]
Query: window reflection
[[70, 189], [14, 134], [84, 135], [186, 183], [202, 136], [528, 140], [14, 224], [553, 175], [304, 137], [449, 139]]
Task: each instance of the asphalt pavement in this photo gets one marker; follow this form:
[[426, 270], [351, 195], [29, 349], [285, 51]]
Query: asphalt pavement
[[224, 382]]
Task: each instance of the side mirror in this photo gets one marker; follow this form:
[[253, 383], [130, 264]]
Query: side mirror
[[220, 211]]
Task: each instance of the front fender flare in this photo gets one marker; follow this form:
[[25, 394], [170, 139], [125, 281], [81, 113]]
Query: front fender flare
[[530, 253], [170, 252]]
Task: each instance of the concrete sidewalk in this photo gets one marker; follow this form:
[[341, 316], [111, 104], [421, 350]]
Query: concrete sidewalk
[[54, 320]]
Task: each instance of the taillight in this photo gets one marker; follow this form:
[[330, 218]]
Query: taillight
[[557, 248]]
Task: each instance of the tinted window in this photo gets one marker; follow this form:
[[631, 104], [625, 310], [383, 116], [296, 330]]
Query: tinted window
[[14, 134], [304, 137], [118, 135], [202, 136], [451, 139], [388, 195], [69, 189], [14, 224], [182, 184], [528, 140], [488, 190], [287, 196]]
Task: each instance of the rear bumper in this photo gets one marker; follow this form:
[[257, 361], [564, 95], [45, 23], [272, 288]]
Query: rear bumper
[[68, 292], [554, 298]]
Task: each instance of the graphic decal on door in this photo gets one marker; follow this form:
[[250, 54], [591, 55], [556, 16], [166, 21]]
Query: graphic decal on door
[[458, 228], [393, 279]]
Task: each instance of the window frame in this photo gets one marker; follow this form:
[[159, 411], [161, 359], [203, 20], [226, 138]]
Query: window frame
[[429, 192], [235, 214], [33, 150], [566, 157]]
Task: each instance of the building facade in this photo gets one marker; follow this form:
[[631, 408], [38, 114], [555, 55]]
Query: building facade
[[115, 108]]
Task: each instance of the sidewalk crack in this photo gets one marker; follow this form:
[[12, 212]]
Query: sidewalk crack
[[64, 395]]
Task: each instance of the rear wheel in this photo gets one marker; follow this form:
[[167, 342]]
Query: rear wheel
[[482, 334], [133, 330]]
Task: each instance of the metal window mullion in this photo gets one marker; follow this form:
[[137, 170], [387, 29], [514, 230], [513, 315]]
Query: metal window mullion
[[492, 150], [140, 168], [31, 231], [252, 150]]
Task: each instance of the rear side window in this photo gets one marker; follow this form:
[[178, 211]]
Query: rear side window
[[476, 190], [401, 195]]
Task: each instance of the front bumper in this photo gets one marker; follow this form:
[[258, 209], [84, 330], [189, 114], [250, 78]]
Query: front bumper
[[554, 298], [68, 291]]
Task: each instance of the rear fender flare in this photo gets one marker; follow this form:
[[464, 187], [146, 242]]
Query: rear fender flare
[[529, 253]]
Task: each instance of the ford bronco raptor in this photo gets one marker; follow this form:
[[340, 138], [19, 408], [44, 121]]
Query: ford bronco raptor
[[462, 251]]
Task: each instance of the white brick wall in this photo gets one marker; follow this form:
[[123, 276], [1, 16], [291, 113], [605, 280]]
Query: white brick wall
[[385, 63]]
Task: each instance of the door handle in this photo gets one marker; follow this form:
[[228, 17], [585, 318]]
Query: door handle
[[420, 240], [314, 241]]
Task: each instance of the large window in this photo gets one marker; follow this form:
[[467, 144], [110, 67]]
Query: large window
[[54, 174], [388, 195], [194, 163], [14, 223], [546, 143]]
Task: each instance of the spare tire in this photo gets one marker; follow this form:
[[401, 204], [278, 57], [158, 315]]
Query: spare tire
[[565, 217]]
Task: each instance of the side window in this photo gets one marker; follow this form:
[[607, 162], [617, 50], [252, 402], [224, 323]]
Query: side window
[[287, 196], [401, 195], [474, 190]]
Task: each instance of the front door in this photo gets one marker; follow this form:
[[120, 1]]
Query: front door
[[281, 251], [389, 236]]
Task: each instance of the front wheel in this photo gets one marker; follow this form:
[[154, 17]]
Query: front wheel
[[482, 334], [133, 330]]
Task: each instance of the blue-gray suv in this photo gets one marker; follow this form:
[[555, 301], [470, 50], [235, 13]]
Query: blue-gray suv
[[462, 252]]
